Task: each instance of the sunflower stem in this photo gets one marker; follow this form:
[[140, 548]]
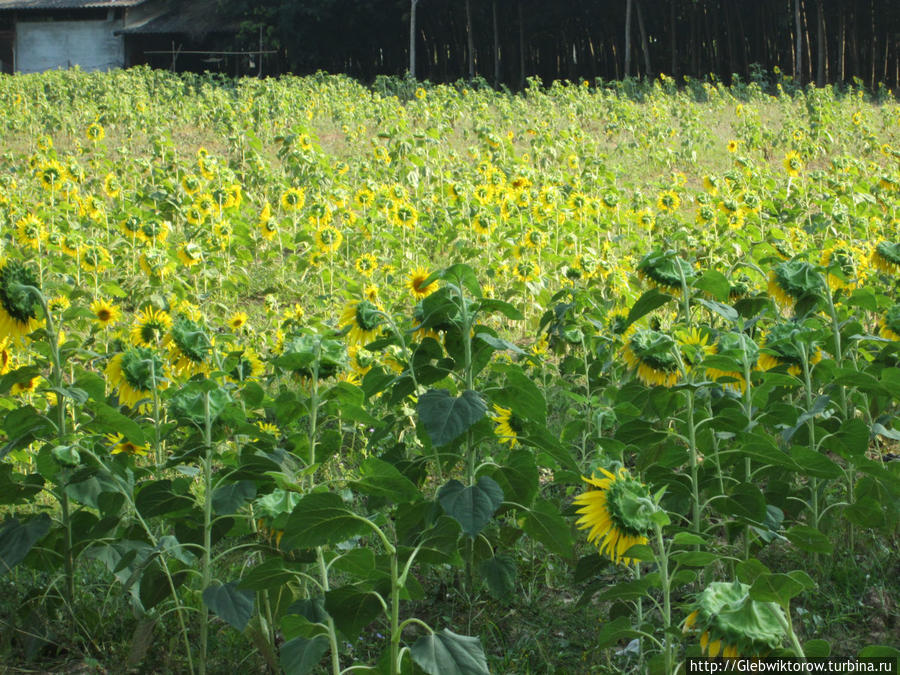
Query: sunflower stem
[[663, 560], [332, 634], [206, 564]]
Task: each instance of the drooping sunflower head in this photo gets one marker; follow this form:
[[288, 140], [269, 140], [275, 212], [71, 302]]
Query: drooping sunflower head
[[886, 257], [792, 282], [784, 344], [617, 513], [328, 238], [508, 427], [842, 263], [889, 325], [362, 320], [731, 624], [732, 351], [189, 347], [190, 253], [136, 373], [793, 164], [526, 270], [95, 132], [18, 308], [417, 286], [665, 270], [653, 355], [150, 327], [293, 199], [668, 201]]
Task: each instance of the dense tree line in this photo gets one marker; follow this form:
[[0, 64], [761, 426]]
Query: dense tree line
[[506, 41]]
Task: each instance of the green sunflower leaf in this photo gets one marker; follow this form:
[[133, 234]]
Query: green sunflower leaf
[[645, 304], [447, 653], [472, 506], [544, 523], [230, 603], [17, 539], [301, 656], [321, 519], [445, 418]]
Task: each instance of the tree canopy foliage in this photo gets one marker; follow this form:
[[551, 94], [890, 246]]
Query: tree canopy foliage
[[506, 41]]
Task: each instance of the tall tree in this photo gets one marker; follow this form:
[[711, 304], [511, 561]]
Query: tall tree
[[798, 33], [628, 8], [412, 38]]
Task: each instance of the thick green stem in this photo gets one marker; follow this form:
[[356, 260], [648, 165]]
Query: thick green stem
[[206, 564], [396, 633], [332, 633], [695, 484], [663, 560]]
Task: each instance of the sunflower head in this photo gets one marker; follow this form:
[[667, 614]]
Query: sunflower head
[[617, 512], [794, 282], [105, 312], [151, 327], [886, 257], [889, 325], [18, 309], [362, 320], [781, 346], [653, 355], [665, 270], [793, 164], [509, 427], [136, 373], [118, 444], [731, 624], [417, 286], [189, 347]]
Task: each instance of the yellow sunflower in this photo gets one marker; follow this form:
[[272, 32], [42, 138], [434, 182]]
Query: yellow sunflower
[[106, 313], [136, 373], [18, 309], [237, 320], [617, 513], [362, 320], [508, 428], [118, 444], [293, 199], [151, 327], [416, 283]]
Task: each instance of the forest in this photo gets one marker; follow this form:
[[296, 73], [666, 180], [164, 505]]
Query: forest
[[507, 41]]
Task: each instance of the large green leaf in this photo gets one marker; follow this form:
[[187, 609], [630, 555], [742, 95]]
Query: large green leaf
[[229, 603], [352, 609], [472, 506], [321, 519], [518, 478], [778, 588], [158, 498], [228, 499], [499, 573], [809, 539], [17, 539], [521, 395], [445, 418], [108, 419], [615, 631], [300, 656], [447, 653], [646, 304], [544, 523], [381, 479]]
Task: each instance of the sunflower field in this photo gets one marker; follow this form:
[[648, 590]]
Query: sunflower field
[[305, 376]]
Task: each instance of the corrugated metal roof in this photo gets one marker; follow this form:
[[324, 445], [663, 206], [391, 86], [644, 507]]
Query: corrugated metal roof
[[191, 18], [67, 4]]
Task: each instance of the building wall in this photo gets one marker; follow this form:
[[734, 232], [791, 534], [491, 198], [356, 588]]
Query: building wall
[[45, 45]]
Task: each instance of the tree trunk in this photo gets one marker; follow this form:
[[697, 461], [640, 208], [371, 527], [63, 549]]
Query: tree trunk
[[412, 38], [628, 4], [798, 52], [521, 46], [820, 43], [645, 47], [496, 44], [470, 40], [672, 41]]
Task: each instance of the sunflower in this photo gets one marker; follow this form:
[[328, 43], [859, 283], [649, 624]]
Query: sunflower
[[237, 320], [793, 281], [26, 387], [52, 175], [889, 324], [733, 146], [534, 238], [151, 327], [328, 239], [653, 355], [188, 348], [30, 232], [886, 257], [736, 347], [731, 624], [247, 365], [136, 373], [105, 312], [417, 286], [779, 347], [668, 201], [370, 292], [95, 132], [665, 270], [362, 320], [5, 356], [508, 428], [112, 188], [841, 262], [405, 215], [190, 253], [155, 264], [18, 315], [363, 198], [793, 164], [190, 184], [527, 270], [293, 199], [118, 445], [366, 264], [617, 514]]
